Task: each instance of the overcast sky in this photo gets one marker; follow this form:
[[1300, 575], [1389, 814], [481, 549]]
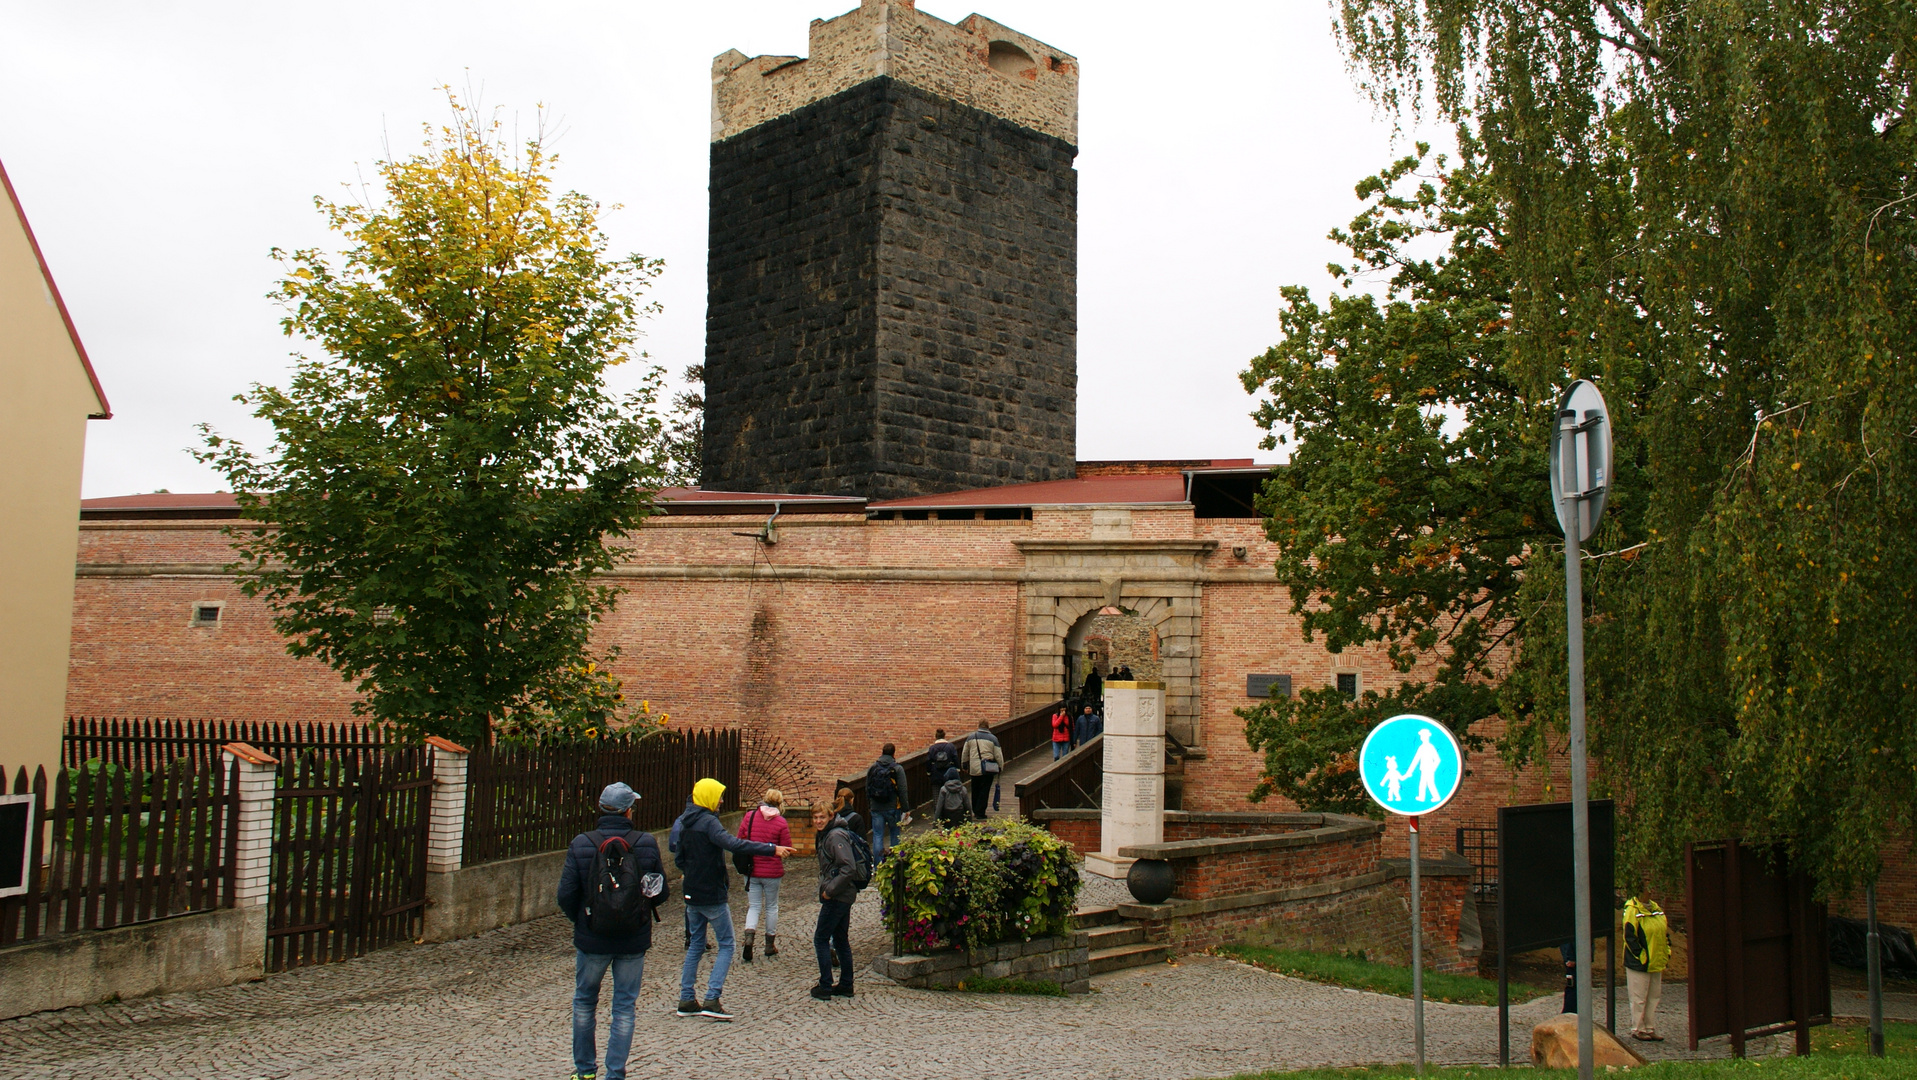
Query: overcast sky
[[161, 149]]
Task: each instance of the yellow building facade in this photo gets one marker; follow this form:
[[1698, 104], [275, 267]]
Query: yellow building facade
[[50, 394]]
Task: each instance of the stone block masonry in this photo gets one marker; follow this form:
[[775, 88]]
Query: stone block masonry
[[892, 298], [1065, 960]]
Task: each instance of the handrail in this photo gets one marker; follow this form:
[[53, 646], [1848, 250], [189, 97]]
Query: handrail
[[1016, 736], [1067, 782]]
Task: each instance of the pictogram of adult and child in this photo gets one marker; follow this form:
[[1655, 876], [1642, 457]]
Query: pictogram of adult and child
[[1434, 762]]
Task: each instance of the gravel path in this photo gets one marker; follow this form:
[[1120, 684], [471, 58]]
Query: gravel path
[[498, 1006]]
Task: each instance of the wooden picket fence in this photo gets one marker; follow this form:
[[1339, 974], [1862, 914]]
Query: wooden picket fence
[[525, 800], [111, 846]]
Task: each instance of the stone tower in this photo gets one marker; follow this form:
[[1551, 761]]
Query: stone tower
[[893, 250]]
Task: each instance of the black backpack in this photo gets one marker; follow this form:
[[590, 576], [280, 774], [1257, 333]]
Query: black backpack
[[942, 756], [880, 785], [861, 856], [618, 895]]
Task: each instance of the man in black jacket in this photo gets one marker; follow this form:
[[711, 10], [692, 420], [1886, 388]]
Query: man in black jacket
[[625, 953], [699, 845], [838, 887]]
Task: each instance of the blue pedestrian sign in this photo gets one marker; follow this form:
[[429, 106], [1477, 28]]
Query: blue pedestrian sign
[[1411, 764]]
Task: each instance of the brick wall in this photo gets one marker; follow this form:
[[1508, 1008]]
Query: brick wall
[[1230, 874]]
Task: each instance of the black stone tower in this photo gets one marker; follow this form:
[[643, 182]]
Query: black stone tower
[[893, 251]]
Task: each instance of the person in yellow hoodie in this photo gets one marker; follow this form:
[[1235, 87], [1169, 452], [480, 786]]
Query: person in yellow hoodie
[[1647, 948], [699, 843]]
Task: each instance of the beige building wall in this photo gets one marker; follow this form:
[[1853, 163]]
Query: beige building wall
[[49, 392]]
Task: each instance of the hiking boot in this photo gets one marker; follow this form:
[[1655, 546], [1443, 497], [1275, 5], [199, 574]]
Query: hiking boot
[[688, 1007], [771, 944], [822, 993], [748, 946], [844, 989], [715, 1010]]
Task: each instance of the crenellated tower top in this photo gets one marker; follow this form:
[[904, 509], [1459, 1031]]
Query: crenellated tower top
[[975, 62]]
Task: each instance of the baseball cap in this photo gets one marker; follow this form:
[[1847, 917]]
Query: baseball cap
[[617, 797]]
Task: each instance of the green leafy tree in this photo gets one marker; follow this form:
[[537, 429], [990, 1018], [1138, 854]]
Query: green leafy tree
[[1709, 208], [447, 479]]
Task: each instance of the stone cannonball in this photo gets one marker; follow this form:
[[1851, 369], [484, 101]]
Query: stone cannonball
[[1151, 881]]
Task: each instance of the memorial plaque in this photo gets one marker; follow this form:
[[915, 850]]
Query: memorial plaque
[[1268, 686], [1134, 754]]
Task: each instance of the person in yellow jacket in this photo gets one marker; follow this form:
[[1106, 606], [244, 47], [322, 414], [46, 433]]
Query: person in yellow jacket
[[1647, 948]]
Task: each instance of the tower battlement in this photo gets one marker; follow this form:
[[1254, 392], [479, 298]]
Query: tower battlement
[[975, 62]]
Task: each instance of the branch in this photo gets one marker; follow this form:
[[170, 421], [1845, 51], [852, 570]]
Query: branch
[[1646, 45]]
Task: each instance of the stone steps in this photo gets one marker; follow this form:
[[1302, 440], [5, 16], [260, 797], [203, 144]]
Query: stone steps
[[1087, 917], [1128, 956], [1116, 943], [1115, 935]]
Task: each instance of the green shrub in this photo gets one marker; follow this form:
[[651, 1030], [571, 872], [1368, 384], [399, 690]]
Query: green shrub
[[981, 883]]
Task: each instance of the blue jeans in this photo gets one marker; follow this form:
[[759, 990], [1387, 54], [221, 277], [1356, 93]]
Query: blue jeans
[[719, 917], [885, 830], [1060, 749], [590, 969]]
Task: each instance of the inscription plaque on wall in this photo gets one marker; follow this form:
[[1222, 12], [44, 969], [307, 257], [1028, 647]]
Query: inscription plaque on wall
[[1267, 686]]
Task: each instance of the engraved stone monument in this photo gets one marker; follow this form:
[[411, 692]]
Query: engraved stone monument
[[1133, 798]]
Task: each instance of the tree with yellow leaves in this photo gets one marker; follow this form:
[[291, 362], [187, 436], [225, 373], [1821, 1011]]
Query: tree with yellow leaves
[[449, 474]]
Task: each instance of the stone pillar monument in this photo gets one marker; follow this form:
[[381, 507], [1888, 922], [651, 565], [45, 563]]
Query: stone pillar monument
[[1133, 794]]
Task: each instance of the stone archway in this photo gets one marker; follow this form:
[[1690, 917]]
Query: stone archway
[[1108, 636], [1158, 580]]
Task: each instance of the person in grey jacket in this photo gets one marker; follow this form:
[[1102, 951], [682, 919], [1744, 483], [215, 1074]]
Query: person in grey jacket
[[838, 887]]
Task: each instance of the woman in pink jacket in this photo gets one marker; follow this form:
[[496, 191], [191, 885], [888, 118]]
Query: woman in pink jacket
[[767, 825]]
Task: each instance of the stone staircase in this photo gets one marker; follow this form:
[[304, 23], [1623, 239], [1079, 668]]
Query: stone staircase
[[1117, 943]]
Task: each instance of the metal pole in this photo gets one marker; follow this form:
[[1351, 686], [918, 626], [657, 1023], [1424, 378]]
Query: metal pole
[[1417, 955], [1571, 454], [1875, 966]]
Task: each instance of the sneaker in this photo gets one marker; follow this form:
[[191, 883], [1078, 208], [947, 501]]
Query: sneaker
[[584, 1076], [715, 1010], [822, 993], [688, 1007], [841, 991]]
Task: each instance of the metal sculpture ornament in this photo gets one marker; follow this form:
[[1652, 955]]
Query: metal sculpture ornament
[[1411, 764]]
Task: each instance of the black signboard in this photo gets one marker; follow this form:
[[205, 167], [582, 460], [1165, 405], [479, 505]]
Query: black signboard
[[1537, 893], [1268, 686], [16, 820], [1536, 900]]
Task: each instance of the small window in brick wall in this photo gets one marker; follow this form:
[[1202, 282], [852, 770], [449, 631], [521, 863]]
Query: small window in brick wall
[[207, 612], [1348, 684]]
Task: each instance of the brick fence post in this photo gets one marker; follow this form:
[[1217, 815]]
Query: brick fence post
[[446, 832], [253, 826]]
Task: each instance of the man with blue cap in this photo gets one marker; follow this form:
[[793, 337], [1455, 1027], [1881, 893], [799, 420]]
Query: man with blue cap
[[611, 885]]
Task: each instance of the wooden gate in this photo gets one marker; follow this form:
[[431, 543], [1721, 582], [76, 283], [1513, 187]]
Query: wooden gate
[[349, 852]]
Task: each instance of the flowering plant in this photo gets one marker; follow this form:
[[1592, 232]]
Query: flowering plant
[[978, 884]]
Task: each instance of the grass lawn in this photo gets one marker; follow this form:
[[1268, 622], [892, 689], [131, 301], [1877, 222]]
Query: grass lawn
[[1838, 1052], [1380, 978]]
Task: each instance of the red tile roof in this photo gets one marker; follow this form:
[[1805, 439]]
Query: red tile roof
[[53, 290], [674, 500], [1091, 490]]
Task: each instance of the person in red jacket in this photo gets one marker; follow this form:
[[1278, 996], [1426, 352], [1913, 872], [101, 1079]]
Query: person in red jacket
[[767, 825], [1061, 733]]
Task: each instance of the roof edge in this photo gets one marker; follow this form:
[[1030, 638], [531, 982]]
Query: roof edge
[[59, 302]]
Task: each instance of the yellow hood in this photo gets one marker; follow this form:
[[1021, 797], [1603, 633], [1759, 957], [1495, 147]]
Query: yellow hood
[[707, 793]]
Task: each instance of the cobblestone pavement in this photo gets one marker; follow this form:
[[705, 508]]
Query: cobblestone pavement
[[499, 1005]]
